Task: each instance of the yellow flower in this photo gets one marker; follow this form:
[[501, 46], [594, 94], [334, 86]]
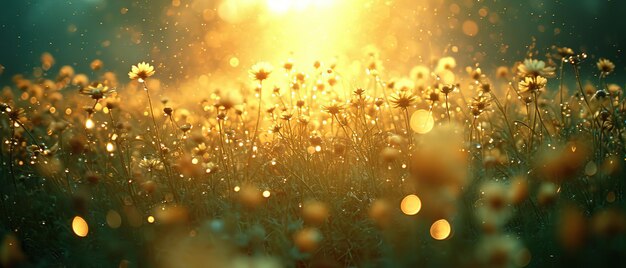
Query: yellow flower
[[502, 72], [333, 109], [261, 71], [141, 71], [564, 52], [445, 63], [288, 65], [359, 92], [420, 73], [286, 116], [97, 91], [605, 66], [532, 67], [151, 164], [479, 104], [403, 100], [532, 84]]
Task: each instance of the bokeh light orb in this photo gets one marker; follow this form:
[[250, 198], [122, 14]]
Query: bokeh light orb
[[315, 212], [89, 124], [411, 205], [307, 239], [470, 28], [422, 121], [80, 226], [113, 219], [440, 229]]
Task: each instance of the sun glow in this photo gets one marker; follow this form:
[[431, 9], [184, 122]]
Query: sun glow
[[283, 6], [289, 29], [303, 30], [349, 34]]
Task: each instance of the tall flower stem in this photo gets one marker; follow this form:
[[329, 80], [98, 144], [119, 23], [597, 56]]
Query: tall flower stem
[[580, 87], [159, 149], [11, 144], [39, 145], [258, 115], [614, 110], [408, 126], [561, 105], [223, 158], [256, 128], [13, 122], [120, 154], [538, 111], [532, 120], [448, 108], [582, 92], [472, 129], [506, 121], [379, 81]]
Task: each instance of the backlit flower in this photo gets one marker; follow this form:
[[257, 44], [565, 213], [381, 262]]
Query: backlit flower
[[403, 100], [445, 63], [333, 109], [96, 91], [419, 73], [564, 52], [532, 68], [261, 71], [151, 164], [141, 71], [605, 66], [533, 84], [479, 104], [359, 92]]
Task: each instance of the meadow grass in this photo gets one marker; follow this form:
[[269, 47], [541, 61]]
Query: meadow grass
[[301, 169]]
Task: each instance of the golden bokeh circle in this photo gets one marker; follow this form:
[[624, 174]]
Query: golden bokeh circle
[[422, 121], [80, 226], [411, 204], [440, 229]]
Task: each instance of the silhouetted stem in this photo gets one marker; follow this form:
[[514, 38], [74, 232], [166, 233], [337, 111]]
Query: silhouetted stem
[[159, 149], [448, 108]]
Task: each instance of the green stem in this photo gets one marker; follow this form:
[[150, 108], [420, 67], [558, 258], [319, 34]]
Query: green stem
[[120, 154], [159, 149], [447, 108], [561, 106], [12, 141], [408, 126], [580, 87], [256, 128], [30, 135], [538, 111]]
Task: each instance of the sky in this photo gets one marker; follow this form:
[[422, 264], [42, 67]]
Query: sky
[[122, 32]]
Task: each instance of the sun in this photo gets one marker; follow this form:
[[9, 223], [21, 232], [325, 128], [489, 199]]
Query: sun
[[279, 6], [284, 6]]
